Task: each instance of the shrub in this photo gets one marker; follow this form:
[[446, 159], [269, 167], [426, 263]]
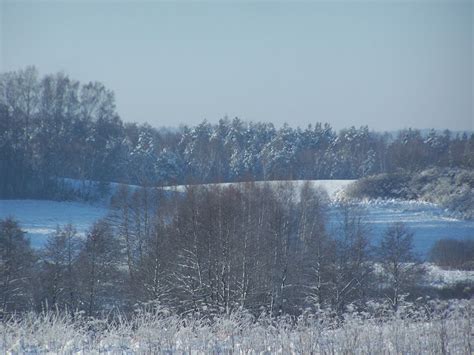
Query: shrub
[[382, 185], [452, 253]]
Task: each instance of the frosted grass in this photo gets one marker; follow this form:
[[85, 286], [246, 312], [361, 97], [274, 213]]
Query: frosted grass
[[433, 328]]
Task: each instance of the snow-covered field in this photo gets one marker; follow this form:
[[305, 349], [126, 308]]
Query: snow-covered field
[[428, 221]]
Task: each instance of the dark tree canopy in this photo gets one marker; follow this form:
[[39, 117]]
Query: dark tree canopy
[[54, 127]]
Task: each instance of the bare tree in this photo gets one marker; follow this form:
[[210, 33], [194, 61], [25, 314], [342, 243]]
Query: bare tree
[[98, 269], [154, 268], [120, 217], [153, 280], [59, 268], [189, 276], [401, 268], [352, 268], [281, 248], [317, 246], [16, 262]]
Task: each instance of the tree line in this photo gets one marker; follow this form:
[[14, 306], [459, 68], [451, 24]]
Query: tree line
[[211, 250], [54, 127]]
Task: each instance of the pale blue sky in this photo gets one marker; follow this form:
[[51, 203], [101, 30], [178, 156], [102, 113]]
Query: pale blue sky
[[388, 64]]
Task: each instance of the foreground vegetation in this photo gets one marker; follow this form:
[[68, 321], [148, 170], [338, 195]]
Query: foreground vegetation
[[432, 328]]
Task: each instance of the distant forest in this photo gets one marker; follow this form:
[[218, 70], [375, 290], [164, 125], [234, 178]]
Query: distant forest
[[54, 127]]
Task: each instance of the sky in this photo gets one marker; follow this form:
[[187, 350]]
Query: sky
[[386, 64]]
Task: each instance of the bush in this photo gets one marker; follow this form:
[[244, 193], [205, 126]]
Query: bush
[[465, 178], [459, 290], [381, 186], [452, 253]]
